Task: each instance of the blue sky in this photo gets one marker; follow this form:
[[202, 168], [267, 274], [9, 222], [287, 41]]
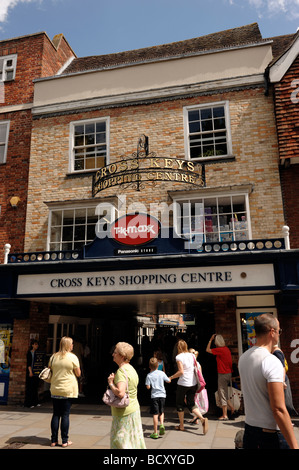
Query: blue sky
[[95, 27]]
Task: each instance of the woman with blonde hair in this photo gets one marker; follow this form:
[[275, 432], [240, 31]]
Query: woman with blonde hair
[[126, 429], [64, 388], [186, 386]]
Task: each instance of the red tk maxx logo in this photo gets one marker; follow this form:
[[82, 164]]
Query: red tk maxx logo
[[135, 229]]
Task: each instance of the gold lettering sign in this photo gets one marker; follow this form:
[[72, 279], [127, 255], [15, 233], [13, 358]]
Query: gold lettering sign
[[148, 168]]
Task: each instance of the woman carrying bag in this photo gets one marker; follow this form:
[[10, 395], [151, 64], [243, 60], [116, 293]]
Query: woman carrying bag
[[64, 388], [126, 429], [186, 386]]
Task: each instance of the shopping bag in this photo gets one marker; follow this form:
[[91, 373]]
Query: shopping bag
[[199, 377], [234, 396], [202, 401]]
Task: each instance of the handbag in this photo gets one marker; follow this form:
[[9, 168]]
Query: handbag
[[199, 377], [202, 401], [110, 399], [46, 374], [234, 396]]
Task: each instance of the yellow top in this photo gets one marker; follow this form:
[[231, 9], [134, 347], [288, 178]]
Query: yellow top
[[64, 383], [133, 380]]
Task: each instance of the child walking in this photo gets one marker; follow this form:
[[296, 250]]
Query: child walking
[[155, 381]]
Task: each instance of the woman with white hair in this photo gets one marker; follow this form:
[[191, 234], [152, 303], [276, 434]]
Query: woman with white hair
[[224, 369], [126, 429]]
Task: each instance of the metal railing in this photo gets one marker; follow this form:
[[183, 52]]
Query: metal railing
[[237, 246]]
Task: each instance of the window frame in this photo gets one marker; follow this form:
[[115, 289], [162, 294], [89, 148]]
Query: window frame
[[69, 207], [202, 106], [5, 69], [105, 119], [5, 142], [200, 197]]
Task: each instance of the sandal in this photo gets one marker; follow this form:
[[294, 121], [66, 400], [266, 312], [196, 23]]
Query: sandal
[[178, 428], [205, 425], [194, 421], [54, 444]]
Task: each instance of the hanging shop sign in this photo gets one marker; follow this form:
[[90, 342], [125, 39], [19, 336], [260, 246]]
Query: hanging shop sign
[[141, 169], [135, 229]]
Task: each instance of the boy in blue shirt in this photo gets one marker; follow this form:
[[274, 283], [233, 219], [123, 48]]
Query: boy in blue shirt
[[155, 381]]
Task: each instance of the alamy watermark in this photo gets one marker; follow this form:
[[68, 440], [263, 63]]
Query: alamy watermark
[[2, 94], [295, 93], [189, 227]]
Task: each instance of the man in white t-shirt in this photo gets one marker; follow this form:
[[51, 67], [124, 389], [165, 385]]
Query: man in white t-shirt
[[267, 421]]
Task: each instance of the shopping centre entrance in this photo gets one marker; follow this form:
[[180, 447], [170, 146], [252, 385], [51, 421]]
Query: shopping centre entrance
[[96, 329]]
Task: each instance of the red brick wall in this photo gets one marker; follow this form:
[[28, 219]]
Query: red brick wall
[[287, 112], [13, 181], [17, 377], [36, 56], [286, 94], [290, 192], [36, 323]]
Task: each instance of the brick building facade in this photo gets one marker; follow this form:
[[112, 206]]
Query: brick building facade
[[22, 60], [283, 75], [207, 113]]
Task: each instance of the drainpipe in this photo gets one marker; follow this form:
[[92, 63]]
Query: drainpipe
[[286, 235], [7, 248]]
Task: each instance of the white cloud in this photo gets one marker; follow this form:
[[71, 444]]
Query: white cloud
[[289, 8], [6, 5]]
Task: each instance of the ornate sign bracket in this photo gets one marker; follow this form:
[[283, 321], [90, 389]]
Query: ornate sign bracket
[[145, 167]]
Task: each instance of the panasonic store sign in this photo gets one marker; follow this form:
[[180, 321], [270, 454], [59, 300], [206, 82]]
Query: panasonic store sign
[[221, 278]]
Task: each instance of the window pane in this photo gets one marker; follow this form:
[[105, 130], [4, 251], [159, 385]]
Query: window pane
[[56, 217], [89, 128], [193, 116], [55, 234], [90, 232], [68, 217], [80, 216], [207, 126], [3, 130], [218, 112], [67, 233], [101, 127], [80, 233], [9, 74], [206, 113], [79, 165], [2, 153], [89, 139], [100, 138], [79, 140], [79, 130]]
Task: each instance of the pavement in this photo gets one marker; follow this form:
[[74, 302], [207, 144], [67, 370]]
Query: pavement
[[27, 429]]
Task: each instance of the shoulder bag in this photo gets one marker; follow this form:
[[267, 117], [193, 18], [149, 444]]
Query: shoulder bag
[[46, 374], [199, 377], [110, 399]]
